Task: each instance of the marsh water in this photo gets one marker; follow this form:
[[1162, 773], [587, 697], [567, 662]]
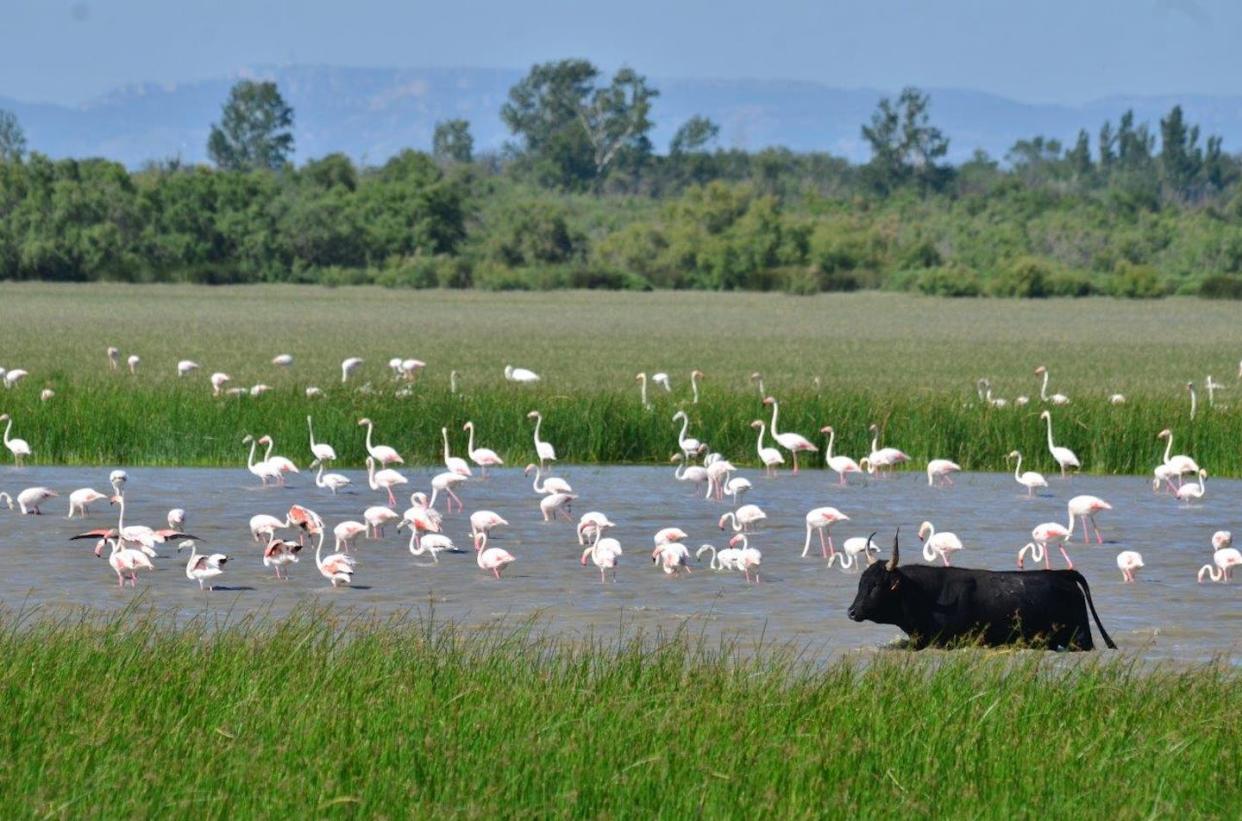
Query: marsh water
[[1165, 615]]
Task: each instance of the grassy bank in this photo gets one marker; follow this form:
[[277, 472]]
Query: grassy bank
[[908, 363], [329, 714]]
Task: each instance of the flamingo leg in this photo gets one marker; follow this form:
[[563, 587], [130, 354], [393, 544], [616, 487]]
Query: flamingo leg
[[795, 458], [1068, 562], [453, 496]]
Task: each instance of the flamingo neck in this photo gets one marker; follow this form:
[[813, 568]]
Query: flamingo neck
[[928, 553], [470, 443], [1043, 389], [8, 428], [370, 427], [694, 386], [832, 435], [759, 446], [1168, 447], [267, 454], [538, 422], [310, 428], [1051, 446], [642, 387], [250, 458], [319, 476], [775, 410], [444, 434], [371, 475], [875, 441], [679, 471], [685, 425], [1018, 468]]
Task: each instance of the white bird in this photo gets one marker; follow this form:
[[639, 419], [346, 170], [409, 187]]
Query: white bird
[[335, 567], [1192, 491], [262, 469], [672, 557], [332, 481], [552, 484], [668, 535], [376, 517], [383, 454], [202, 567], [745, 518], [841, 464], [456, 464], [556, 503], [444, 483], [520, 375], [18, 447], [592, 524], [348, 366], [80, 500], [1117, 399], [346, 533], [689, 446], [1056, 398], [1063, 456], [12, 377], [939, 472], [821, 519], [795, 443], [1180, 463], [770, 457], [852, 548], [46, 394], [1222, 539], [543, 450], [114, 358], [1129, 562], [1223, 563], [938, 544], [259, 389], [28, 500], [133, 361], [385, 479], [881, 458], [727, 559], [1085, 508], [736, 487], [483, 457], [313, 392], [1030, 479], [278, 553], [661, 379], [283, 360], [176, 518], [186, 366], [494, 559], [322, 450], [749, 558], [604, 553], [218, 380]]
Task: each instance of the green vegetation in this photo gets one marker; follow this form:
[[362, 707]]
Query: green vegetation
[[907, 363], [581, 199], [331, 713]]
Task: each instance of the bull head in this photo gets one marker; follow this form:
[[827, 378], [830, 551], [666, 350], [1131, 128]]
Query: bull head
[[892, 563]]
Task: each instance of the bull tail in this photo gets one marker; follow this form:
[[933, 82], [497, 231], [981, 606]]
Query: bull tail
[[1086, 589]]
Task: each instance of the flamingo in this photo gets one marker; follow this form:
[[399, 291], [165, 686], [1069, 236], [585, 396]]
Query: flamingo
[[385, 479], [841, 464], [132, 362], [689, 446], [332, 481], [186, 367], [736, 487], [745, 518], [1180, 463], [494, 559], [556, 503], [335, 567], [603, 553], [672, 557], [282, 360], [433, 543], [346, 533], [641, 379], [543, 450], [307, 521], [482, 522], [939, 472], [852, 548], [718, 471], [1042, 536], [483, 457], [881, 458], [80, 499], [420, 519], [124, 560], [748, 558], [792, 442], [521, 375], [202, 566], [348, 366], [263, 470], [380, 453], [259, 389], [1222, 539], [550, 485], [176, 518], [668, 535], [1056, 398], [661, 379], [688, 473], [263, 524], [313, 392], [278, 553], [770, 457], [1129, 562], [322, 450], [756, 379], [821, 519], [114, 358], [376, 517], [280, 463], [445, 482], [117, 479], [146, 538], [455, 464], [1085, 508], [1194, 398], [592, 524], [453, 375], [1223, 563], [695, 376], [1192, 491], [1029, 480], [938, 544], [1164, 474], [727, 559], [30, 499], [1063, 456], [218, 380], [18, 447], [11, 378]]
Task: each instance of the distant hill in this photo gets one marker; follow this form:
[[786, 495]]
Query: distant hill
[[371, 114]]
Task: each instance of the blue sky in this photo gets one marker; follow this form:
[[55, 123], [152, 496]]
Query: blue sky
[[1065, 51]]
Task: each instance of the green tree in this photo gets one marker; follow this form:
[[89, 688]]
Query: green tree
[[12, 137], [452, 142], [254, 129], [905, 146], [1181, 158], [695, 135], [1079, 157]]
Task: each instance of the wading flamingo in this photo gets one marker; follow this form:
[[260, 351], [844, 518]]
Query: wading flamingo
[[543, 450], [124, 560], [494, 559], [483, 457], [444, 483], [281, 464], [555, 504], [263, 470], [346, 533], [81, 499], [770, 457], [28, 500], [1056, 398], [278, 553], [881, 458], [939, 472], [454, 464], [144, 537], [938, 544], [385, 479], [841, 464], [591, 525], [1085, 508], [332, 481], [821, 519], [672, 557], [852, 548], [18, 447], [1223, 563], [792, 442], [1129, 562], [727, 559], [550, 485], [322, 450], [688, 473], [1029, 480], [718, 471], [380, 453], [202, 567], [1063, 456], [337, 568], [745, 518], [689, 446], [482, 522], [604, 553], [1180, 463], [749, 558], [1193, 491], [1044, 535], [376, 517], [736, 487]]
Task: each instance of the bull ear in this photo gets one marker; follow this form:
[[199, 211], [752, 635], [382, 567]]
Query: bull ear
[[892, 563]]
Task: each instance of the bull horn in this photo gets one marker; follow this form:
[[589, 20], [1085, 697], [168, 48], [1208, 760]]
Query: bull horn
[[892, 563]]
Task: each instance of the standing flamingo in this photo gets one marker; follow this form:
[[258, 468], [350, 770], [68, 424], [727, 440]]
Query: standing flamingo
[[748, 557], [821, 519], [543, 450], [332, 481], [202, 566], [124, 560], [550, 485], [114, 358], [494, 559], [380, 453], [1129, 562], [689, 447], [280, 463], [770, 457], [444, 483], [376, 517], [1085, 508], [641, 379], [18, 447], [1223, 563], [337, 568], [555, 504], [81, 498], [1063, 456], [348, 366], [1044, 535], [1180, 464], [745, 518], [672, 557], [30, 499], [688, 473], [939, 472], [483, 457], [792, 442], [1193, 491], [322, 450], [603, 553], [522, 375], [695, 376], [263, 470], [385, 479], [1056, 398], [1029, 480], [938, 544], [346, 533], [591, 525], [482, 522], [881, 458], [454, 464], [278, 553], [841, 464]]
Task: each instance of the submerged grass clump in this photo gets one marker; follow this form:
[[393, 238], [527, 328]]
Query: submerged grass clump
[[336, 713]]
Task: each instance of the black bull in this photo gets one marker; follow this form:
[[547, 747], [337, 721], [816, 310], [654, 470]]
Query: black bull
[[936, 606]]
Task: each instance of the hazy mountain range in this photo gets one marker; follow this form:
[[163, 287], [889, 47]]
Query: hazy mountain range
[[369, 114]]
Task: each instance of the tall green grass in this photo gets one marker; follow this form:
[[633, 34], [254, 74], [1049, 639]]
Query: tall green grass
[[338, 714]]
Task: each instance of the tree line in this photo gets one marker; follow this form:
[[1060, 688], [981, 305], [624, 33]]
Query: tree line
[[581, 198]]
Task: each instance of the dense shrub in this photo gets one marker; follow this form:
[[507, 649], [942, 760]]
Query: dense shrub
[[1221, 287], [1027, 277], [1136, 282], [950, 280]]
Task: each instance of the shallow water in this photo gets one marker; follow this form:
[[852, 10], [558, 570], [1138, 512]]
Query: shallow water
[[1165, 615]]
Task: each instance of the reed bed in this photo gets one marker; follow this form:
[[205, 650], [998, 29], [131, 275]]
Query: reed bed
[[329, 713]]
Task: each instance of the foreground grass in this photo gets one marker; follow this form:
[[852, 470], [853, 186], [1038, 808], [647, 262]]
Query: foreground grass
[[332, 714], [905, 362]]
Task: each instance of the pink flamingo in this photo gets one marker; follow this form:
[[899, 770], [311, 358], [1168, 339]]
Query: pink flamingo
[[280, 553], [1129, 562], [822, 519], [483, 457], [1042, 536], [1085, 508], [939, 471], [337, 568], [494, 559], [841, 464], [792, 442]]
